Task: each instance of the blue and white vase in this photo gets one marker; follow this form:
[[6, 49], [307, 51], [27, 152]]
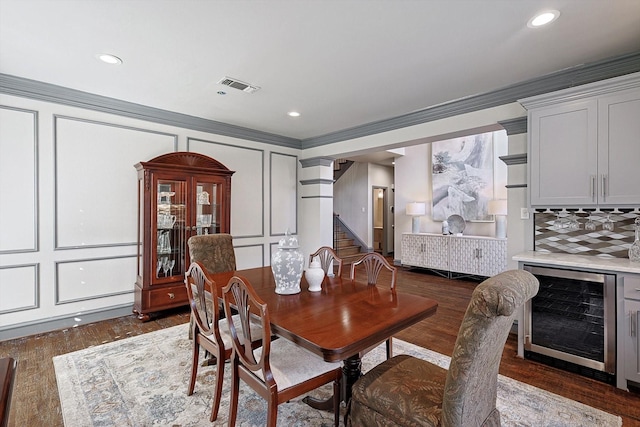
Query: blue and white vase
[[287, 264]]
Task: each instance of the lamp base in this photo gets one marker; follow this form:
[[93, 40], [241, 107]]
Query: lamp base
[[501, 226], [415, 224]]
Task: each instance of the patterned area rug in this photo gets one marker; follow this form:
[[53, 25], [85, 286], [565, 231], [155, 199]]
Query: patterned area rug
[[142, 381]]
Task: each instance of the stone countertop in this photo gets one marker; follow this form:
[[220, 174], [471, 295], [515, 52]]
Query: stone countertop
[[622, 265]]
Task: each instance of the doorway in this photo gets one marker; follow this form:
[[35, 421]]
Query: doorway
[[379, 220]]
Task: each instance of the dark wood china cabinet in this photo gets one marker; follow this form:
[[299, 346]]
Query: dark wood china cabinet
[[180, 194]]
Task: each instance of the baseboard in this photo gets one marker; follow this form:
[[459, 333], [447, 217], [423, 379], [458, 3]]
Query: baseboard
[[61, 322]]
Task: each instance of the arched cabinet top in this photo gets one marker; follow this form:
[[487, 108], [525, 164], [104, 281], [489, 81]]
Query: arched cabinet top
[[185, 160]]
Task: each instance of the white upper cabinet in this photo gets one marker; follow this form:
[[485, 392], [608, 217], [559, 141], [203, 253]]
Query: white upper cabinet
[[584, 145], [619, 148]]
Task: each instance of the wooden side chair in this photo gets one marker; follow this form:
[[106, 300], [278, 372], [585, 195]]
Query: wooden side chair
[[327, 255], [279, 370], [373, 263], [406, 390], [206, 330]]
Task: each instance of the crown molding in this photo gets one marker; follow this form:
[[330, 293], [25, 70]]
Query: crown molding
[[514, 126], [47, 92], [578, 75]]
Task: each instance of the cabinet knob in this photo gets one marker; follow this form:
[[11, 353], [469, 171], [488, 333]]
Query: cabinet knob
[[171, 295]]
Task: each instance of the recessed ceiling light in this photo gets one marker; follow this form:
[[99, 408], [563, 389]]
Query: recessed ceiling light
[[543, 18], [109, 59], [293, 114]]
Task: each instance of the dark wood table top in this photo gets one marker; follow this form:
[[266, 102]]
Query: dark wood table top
[[344, 319]]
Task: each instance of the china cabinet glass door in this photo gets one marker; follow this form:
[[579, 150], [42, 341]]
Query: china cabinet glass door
[[207, 208], [171, 216]]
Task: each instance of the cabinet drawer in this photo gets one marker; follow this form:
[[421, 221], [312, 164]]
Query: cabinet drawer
[[632, 287], [167, 297]]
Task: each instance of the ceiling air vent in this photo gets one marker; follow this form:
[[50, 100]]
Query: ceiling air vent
[[237, 84]]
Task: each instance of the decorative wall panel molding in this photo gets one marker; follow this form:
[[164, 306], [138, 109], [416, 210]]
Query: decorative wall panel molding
[[283, 191], [249, 256], [19, 217], [19, 288], [247, 193], [91, 279], [99, 209]]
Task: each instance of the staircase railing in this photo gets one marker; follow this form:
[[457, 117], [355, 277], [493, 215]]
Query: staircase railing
[[339, 224]]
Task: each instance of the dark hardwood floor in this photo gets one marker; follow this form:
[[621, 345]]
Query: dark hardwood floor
[[35, 396]]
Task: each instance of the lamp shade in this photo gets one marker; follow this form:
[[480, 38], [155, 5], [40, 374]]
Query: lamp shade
[[497, 207], [416, 208]]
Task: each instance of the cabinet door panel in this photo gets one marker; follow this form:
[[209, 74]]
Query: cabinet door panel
[[413, 250], [464, 256], [437, 252], [619, 149], [563, 149], [632, 343], [493, 257]]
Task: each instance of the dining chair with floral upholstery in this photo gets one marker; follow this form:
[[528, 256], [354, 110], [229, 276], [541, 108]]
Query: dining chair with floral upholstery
[[408, 391], [215, 253]]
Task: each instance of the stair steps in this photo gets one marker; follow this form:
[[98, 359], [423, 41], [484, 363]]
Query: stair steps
[[345, 248]]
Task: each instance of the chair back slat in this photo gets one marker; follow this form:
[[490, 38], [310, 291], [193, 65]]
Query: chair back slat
[[373, 263], [198, 284], [240, 295], [327, 255]]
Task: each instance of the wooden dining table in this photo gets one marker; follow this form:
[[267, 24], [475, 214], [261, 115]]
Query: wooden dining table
[[339, 322]]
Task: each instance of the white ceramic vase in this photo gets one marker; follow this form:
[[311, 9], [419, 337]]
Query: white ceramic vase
[[287, 264], [314, 276]]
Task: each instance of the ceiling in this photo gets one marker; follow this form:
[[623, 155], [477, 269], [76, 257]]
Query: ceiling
[[341, 64]]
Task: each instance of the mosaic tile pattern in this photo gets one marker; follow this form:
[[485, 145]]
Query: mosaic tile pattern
[[600, 242]]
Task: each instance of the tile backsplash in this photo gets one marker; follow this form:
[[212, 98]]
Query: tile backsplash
[[599, 242]]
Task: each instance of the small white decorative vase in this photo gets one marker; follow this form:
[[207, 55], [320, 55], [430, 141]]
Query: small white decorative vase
[[287, 264], [314, 276]]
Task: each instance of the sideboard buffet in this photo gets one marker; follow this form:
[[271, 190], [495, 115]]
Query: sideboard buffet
[[453, 254], [180, 194]]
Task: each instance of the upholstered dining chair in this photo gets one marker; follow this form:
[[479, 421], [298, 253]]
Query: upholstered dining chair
[[327, 255], [279, 370], [215, 253], [407, 391], [373, 263]]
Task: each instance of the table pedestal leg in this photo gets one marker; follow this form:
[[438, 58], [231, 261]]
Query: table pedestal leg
[[351, 371]]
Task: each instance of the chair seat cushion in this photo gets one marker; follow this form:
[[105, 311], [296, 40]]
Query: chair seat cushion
[[291, 364], [401, 391]]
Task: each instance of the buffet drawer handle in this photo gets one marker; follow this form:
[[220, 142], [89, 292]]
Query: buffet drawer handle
[[171, 295], [632, 323]]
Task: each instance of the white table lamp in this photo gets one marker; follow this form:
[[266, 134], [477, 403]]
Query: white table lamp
[[416, 210], [498, 208]]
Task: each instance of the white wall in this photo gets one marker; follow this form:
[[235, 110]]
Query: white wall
[[413, 184], [68, 191]]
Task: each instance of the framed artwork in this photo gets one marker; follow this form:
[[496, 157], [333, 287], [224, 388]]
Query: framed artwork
[[462, 177]]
